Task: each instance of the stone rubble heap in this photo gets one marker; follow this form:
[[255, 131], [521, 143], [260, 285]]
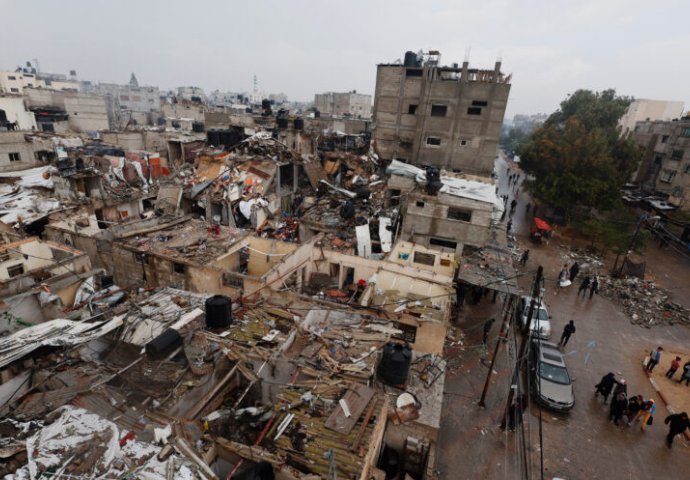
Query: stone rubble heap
[[644, 302]]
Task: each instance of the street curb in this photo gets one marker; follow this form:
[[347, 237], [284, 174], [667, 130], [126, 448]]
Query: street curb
[[655, 386]]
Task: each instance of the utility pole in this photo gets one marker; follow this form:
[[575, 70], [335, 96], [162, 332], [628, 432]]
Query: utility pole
[[643, 219], [503, 334], [523, 343]]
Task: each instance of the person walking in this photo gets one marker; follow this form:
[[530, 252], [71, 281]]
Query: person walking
[[634, 406], [568, 330], [584, 286], [675, 365], [524, 257], [594, 288], [487, 328], [676, 425], [654, 358], [646, 413], [562, 278], [605, 386], [686, 374], [574, 270], [509, 226], [618, 405], [513, 204], [621, 386], [527, 209]]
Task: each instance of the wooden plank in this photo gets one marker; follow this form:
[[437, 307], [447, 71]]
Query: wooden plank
[[357, 398]]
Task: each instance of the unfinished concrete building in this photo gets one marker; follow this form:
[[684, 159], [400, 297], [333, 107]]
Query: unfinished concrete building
[[344, 104], [665, 167], [448, 117]]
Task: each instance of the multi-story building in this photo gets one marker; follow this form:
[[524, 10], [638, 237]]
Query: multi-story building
[[343, 104], [18, 80], [130, 97], [665, 167], [649, 110], [192, 94], [448, 117]]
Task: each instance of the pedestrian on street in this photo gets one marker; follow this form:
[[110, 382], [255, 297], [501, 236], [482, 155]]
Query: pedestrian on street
[[686, 374], [568, 330], [646, 413], [524, 257], [605, 386], [676, 425], [574, 270], [634, 405], [594, 287], [654, 358], [562, 278], [584, 286], [675, 365], [513, 204], [487, 328], [618, 405], [509, 226], [621, 386]]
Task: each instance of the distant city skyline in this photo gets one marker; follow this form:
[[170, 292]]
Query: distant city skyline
[[306, 47]]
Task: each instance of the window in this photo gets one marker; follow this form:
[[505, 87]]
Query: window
[[136, 98], [419, 204], [15, 270], [47, 127], [657, 160], [439, 110], [474, 111], [667, 176], [232, 280], [409, 332], [31, 85], [28, 75], [438, 242], [424, 258], [462, 143], [479, 103], [14, 90], [15, 157], [677, 155], [459, 214], [412, 109], [413, 72], [687, 168], [685, 132], [11, 77], [664, 139], [124, 98], [178, 268], [433, 141]]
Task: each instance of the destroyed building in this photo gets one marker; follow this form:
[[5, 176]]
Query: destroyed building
[[448, 117], [444, 210], [351, 104], [665, 167]]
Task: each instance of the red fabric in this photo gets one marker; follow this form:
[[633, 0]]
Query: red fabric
[[541, 224]]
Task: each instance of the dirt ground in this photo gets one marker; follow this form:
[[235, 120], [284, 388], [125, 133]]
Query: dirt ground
[[581, 444], [676, 395]]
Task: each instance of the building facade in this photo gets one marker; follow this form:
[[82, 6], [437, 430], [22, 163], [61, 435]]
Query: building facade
[[665, 167], [14, 114], [448, 117], [649, 110], [343, 104]]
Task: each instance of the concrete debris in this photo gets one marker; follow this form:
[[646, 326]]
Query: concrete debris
[[644, 302]]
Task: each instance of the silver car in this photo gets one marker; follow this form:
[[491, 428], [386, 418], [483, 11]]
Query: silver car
[[551, 382], [541, 320]]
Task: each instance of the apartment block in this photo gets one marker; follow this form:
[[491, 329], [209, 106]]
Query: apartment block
[[448, 117], [343, 104]]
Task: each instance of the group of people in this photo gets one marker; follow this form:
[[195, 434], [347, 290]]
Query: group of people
[[654, 359], [636, 408], [567, 275]]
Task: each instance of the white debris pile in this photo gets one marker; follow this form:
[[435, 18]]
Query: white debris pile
[[644, 302], [79, 444]]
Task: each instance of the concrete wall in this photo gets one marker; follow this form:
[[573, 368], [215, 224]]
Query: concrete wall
[[16, 111], [649, 110], [15, 143], [468, 142], [348, 103], [86, 112]]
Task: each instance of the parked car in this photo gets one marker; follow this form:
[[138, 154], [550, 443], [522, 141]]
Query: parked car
[[552, 386], [541, 320]]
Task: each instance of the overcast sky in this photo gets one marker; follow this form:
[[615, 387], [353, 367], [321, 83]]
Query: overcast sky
[[301, 47]]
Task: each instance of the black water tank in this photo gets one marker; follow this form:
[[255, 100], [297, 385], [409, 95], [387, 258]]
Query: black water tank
[[218, 311], [395, 363], [317, 114], [410, 59], [163, 344], [433, 180], [282, 122], [299, 123]]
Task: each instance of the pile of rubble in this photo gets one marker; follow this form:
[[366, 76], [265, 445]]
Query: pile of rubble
[[644, 302]]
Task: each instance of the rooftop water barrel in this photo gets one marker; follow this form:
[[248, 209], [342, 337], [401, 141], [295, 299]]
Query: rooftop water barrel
[[299, 123], [410, 59], [218, 311], [395, 363]]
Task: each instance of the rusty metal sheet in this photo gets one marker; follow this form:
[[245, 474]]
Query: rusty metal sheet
[[357, 398]]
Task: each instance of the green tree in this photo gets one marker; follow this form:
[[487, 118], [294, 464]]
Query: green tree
[[577, 157]]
